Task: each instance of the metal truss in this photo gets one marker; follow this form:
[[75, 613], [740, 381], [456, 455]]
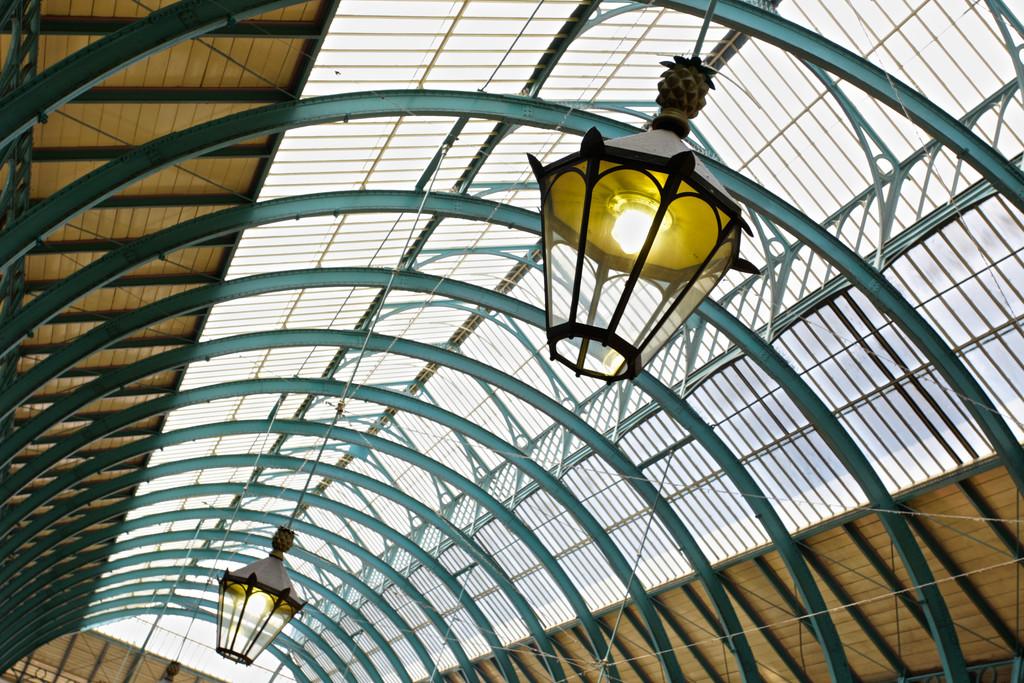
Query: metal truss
[[62, 83]]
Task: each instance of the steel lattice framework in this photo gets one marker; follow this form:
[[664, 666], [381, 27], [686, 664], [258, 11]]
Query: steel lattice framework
[[113, 559]]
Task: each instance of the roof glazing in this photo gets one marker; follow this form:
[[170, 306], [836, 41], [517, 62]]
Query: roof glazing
[[821, 144]]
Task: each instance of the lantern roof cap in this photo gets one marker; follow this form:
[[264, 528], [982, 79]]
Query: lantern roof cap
[[269, 572], [665, 144]]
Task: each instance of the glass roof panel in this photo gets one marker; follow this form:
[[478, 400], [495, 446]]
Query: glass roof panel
[[819, 143]]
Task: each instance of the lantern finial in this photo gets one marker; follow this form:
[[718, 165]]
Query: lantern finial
[[283, 540], [682, 93], [170, 672]]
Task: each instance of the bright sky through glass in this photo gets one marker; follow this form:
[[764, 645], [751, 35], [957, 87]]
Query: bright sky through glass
[[773, 119]]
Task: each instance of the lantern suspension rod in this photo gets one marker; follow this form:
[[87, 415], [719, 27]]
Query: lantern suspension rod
[[704, 28]]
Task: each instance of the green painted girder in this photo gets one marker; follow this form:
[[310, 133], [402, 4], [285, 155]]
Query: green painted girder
[[105, 181], [839, 441], [66, 154], [98, 461], [86, 609], [879, 643], [57, 568], [82, 600], [102, 183], [340, 474], [819, 617], [117, 608], [463, 110], [230, 221], [61, 594], [411, 282], [399, 401], [56, 580], [83, 69], [875, 81]]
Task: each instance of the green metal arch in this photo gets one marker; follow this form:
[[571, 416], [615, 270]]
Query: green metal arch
[[140, 572], [807, 588], [78, 600], [325, 387], [73, 558], [425, 352], [856, 462], [56, 578], [97, 462], [60, 593], [50, 302], [118, 604], [93, 187], [13, 541], [85, 68], [812, 47], [91, 622]]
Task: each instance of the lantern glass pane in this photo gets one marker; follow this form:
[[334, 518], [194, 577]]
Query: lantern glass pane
[[233, 596], [687, 237], [281, 616], [563, 215], [623, 205], [702, 285], [254, 616]]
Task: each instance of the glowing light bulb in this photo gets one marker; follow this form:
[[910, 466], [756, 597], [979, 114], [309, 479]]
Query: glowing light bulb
[[612, 362], [630, 229], [634, 214]]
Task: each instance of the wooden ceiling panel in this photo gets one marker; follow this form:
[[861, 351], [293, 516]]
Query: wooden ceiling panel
[[127, 223], [115, 124], [201, 176], [213, 62], [127, 297]]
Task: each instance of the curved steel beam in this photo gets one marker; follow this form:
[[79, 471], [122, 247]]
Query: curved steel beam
[[883, 86], [90, 189], [127, 611], [809, 592], [93, 187], [341, 474], [97, 462], [377, 343], [56, 577], [856, 462], [60, 597], [678, 409], [74, 556], [327, 387], [83, 599], [116, 604], [228, 221], [84, 68]]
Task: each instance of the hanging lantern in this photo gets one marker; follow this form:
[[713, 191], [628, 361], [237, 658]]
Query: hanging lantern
[[170, 672], [636, 233], [255, 604]]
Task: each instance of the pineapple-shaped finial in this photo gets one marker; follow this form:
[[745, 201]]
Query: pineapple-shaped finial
[[682, 93], [283, 540], [171, 671]]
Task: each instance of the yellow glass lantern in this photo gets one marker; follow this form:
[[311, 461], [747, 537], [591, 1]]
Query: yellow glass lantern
[[636, 233], [256, 603]]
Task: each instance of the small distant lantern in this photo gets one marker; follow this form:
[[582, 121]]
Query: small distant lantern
[[636, 233], [256, 603], [170, 672]]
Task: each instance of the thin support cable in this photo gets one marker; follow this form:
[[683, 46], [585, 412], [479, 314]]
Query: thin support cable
[[704, 28]]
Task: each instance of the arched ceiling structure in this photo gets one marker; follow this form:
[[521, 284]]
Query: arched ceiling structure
[[242, 237]]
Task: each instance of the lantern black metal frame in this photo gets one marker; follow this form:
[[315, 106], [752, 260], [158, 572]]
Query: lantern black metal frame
[[251, 584], [679, 167]]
